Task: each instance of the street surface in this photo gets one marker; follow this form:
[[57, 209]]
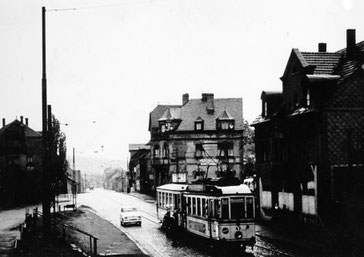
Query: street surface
[[153, 241]]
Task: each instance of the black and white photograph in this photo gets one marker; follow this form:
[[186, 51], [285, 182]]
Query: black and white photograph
[[196, 128]]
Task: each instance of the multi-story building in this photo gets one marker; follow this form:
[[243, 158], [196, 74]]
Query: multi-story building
[[20, 163], [309, 138], [198, 139], [140, 169]]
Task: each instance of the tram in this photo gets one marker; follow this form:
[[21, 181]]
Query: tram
[[219, 210]]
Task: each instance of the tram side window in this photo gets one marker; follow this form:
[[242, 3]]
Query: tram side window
[[193, 206], [163, 203], [160, 199], [189, 205], [249, 208], [237, 206], [224, 208], [204, 207], [216, 213], [199, 206], [170, 204]]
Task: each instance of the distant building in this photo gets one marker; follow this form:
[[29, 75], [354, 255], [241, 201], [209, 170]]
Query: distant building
[[116, 179], [20, 163], [309, 138], [197, 139], [141, 173]]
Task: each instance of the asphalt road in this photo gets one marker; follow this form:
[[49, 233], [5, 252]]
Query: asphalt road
[[152, 240]]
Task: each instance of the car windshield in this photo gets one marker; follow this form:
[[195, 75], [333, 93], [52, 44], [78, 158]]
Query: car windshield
[[129, 209]]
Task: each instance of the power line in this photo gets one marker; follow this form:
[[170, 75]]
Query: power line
[[103, 6]]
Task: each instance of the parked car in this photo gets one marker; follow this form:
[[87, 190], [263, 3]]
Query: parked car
[[130, 215]]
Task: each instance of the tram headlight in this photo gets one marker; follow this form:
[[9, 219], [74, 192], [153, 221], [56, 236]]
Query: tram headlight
[[238, 234]]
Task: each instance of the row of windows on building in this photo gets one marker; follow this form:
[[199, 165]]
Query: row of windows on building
[[291, 106], [204, 206], [199, 125], [225, 149]]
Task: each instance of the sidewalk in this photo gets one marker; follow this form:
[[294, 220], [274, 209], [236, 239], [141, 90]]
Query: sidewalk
[[320, 241], [111, 240]]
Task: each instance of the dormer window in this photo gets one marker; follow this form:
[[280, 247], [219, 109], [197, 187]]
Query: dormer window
[[199, 124], [225, 122], [163, 127], [265, 109], [308, 98], [225, 125]]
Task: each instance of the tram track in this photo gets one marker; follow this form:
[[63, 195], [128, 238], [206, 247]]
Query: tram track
[[262, 248], [270, 250]]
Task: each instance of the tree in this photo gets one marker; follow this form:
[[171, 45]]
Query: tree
[[248, 150], [58, 160]]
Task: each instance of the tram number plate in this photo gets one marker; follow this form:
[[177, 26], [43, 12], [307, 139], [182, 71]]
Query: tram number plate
[[197, 226]]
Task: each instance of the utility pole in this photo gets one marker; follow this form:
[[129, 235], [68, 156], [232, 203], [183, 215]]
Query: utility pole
[[74, 191], [45, 171]]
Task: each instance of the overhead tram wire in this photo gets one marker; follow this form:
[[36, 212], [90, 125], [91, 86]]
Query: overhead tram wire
[[103, 6]]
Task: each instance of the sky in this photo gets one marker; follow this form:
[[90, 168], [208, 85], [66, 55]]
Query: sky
[[111, 62]]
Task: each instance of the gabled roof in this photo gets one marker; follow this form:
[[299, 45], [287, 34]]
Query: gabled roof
[[156, 114], [350, 64], [27, 131], [323, 62], [172, 113], [225, 116], [198, 109]]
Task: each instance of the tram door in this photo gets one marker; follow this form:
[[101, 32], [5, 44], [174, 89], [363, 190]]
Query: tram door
[[177, 207]]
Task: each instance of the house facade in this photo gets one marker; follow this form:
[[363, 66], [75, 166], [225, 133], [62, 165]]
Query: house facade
[[141, 172], [199, 138], [20, 163], [309, 137]]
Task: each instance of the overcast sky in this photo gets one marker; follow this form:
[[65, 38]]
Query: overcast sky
[[110, 62]]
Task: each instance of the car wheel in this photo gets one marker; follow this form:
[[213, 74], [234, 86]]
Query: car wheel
[[122, 223], [139, 224]]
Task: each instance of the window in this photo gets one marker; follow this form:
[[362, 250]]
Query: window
[[265, 109], [199, 151], [193, 206], [308, 103], [226, 149], [199, 125], [198, 206], [249, 207], [225, 125], [165, 150], [204, 207], [237, 208], [224, 208], [189, 205], [216, 212], [156, 151]]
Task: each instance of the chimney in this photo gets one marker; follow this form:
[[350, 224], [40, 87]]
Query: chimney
[[209, 99], [26, 121], [21, 119], [350, 41], [3, 122], [185, 98], [322, 47]]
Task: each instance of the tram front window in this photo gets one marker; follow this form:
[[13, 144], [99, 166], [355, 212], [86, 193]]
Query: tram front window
[[250, 208], [224, 208], [237, 208]]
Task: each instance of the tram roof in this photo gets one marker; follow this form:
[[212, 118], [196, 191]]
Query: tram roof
[[206, 188], [173, 187], [239, 189]]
